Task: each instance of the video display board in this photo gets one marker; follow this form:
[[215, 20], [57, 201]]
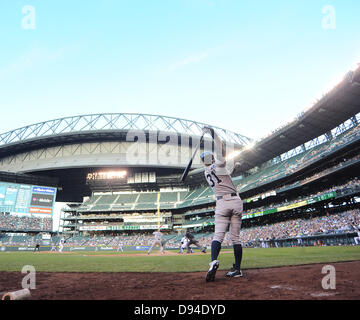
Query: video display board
[[24, 198]]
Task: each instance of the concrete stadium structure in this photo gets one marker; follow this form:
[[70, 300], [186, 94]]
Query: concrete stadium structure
[[68, 149]]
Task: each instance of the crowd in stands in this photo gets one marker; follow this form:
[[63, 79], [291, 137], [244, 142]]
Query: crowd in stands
[[294, 228], [125, 240], [73, 241], [25, 240], [323, 173], [12, 222], [327, 147], [291, 165], [112, 241], [327, 224]]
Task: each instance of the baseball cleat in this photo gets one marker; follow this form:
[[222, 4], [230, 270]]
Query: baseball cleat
[[210, 276], [203, 251], [231, 270], [234, 273]]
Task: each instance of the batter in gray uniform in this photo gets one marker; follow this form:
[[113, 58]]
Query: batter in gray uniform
[[229, 207], [157, 241]]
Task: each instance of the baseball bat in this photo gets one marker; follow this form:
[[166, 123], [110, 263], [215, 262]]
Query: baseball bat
[[16, 295], [187, 169]]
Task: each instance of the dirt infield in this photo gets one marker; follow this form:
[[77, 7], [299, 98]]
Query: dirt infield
[[296, 282]]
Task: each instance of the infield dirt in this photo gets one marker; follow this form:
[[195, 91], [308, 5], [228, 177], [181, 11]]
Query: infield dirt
[[285, 283]]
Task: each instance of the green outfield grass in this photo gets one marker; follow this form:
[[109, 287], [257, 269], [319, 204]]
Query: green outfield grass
[[112, 262]]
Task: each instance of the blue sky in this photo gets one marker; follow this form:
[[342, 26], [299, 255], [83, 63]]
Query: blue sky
[[248, 66]]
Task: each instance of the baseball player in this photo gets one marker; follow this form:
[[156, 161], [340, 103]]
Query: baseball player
[[192, 240], [37, 246], [229, 206], [157, 241], [53, 247], [184, 242], [357, 239], [61, 244], [120, 247], [299, 240], [263, 245]]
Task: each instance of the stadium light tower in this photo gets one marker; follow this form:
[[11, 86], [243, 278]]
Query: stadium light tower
[[233, 155], [250, 146]]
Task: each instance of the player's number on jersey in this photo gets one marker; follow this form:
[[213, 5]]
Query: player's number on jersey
[[210, 179]]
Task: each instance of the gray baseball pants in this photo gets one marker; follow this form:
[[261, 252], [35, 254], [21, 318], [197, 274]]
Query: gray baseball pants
[[228, 211]]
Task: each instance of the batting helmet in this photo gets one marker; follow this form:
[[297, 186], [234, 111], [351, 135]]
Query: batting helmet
[[207, 158]]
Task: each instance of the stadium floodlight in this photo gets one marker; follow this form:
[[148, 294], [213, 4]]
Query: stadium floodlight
[[233, 155], [335, 82], [328, 88], [250, 146], [236, 153]]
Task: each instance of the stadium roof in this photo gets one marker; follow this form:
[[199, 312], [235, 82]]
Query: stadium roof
[[103, 126]]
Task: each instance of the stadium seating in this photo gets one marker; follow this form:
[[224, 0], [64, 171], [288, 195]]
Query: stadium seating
[[280, 170], [145, 206], [106, 199], [147, 197], [182, 195], [126, 199], [168, 197], [24, 223], [17, 240]]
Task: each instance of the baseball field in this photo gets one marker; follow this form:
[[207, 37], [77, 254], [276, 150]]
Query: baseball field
[[271, 273]]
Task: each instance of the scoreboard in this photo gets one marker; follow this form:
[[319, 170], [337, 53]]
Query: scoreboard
[[24, 198]]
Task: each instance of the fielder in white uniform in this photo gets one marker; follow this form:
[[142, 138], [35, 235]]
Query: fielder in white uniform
[[263, 244], [120, 247], [184, 245], [184, 242], [61, 244], [300, 241], [157, 241], [229, 207]]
